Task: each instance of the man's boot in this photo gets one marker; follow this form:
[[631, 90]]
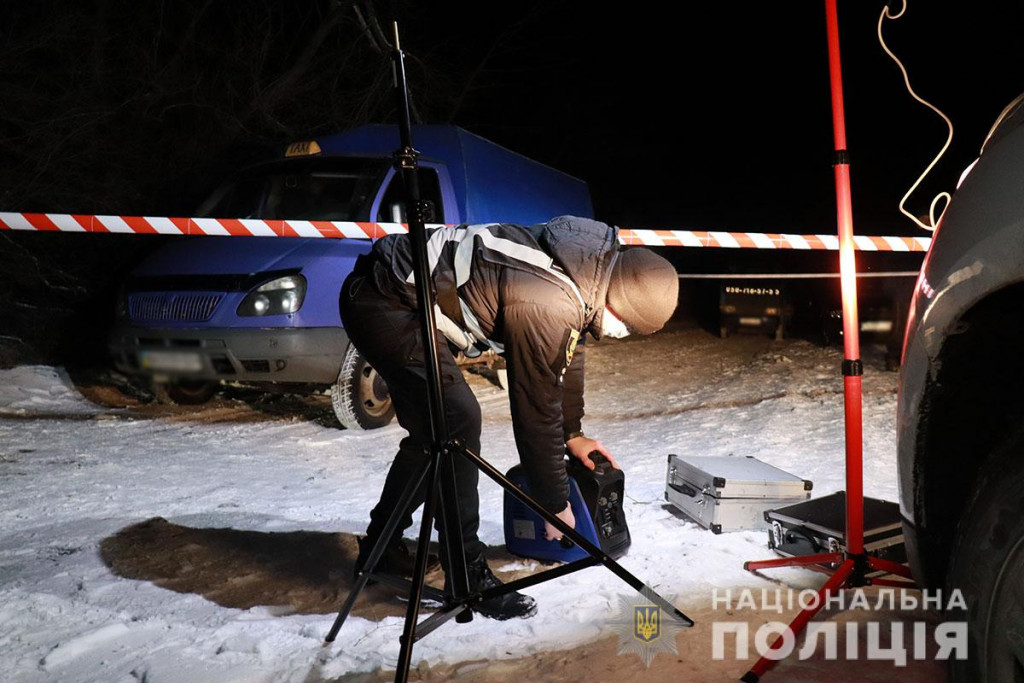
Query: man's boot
[[508, 606], [396, 560]]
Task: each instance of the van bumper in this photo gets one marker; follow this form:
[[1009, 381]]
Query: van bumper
[[304, 355]]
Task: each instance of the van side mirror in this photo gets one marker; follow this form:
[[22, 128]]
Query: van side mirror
[[429, 210], [427, 207]]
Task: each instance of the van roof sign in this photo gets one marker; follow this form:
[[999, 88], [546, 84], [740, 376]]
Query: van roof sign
[[302, 149]]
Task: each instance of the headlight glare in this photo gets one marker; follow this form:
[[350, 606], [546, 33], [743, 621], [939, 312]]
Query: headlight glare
[[279, 296]]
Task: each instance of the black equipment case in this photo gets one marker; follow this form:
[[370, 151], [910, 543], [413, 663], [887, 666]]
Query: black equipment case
[[819, 526]]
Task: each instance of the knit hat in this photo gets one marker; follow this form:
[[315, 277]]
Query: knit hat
[[643, 290]]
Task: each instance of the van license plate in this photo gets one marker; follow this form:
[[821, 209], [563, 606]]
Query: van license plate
[[876, 326], [170, 361]]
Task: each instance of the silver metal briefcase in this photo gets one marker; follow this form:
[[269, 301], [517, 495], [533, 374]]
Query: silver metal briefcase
[[729, 493]]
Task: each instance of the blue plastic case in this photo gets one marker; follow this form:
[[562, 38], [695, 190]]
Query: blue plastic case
[[596, 500]]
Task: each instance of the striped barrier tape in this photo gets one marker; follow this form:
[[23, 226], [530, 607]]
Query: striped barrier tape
[[254, 227], [761, 240], [237, 227]]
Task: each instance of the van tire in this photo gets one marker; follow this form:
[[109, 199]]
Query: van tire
[[186, 392], [360, 397], [987, 563]]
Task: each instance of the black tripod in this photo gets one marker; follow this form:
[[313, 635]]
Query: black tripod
[[438, 471]]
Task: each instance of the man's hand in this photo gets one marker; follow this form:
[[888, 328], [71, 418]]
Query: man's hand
[[581, 447], [553, 534]]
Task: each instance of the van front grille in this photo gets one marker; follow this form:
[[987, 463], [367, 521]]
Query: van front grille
[[172, 307]]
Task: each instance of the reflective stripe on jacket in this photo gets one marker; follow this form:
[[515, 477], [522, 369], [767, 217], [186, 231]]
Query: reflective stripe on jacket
[[529, 293]]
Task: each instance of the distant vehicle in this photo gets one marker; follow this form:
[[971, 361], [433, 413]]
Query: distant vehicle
[[882, 305], [961, 408], [752, 305], [206, 310]]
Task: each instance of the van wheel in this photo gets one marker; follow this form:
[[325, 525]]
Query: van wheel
[[987, 566], [500, 368], [360, 397], [186, 392]]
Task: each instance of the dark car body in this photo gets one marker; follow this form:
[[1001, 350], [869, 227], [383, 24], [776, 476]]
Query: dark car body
[[959, 391], [961, 412]]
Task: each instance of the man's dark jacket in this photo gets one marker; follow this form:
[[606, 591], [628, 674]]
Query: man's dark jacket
[[529, 293]]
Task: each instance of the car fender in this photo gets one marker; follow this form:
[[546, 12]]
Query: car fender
[[977, 250]]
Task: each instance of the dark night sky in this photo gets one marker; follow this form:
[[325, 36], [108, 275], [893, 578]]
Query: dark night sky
[[718, 119], [721, 119]]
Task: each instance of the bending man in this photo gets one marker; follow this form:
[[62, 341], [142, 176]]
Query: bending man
[[529, 293]]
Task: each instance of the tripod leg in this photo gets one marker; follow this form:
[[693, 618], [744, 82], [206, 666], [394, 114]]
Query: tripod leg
[[456, 572], [891, 567], [835, 582], [799, 561], [422, 546], [573, 535], [378, 550]]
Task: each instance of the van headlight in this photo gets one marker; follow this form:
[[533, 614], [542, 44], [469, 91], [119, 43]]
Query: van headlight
[[279, 296], [121, 307]]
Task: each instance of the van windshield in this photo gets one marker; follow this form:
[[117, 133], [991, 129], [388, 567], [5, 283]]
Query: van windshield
[[322, 189]]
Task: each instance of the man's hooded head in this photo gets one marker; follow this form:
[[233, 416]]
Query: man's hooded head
[[642, 293]]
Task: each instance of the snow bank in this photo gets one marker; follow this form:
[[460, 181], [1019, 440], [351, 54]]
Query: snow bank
[[39, 389]]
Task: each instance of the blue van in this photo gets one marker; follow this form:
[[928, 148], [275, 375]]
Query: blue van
[[255, 310]]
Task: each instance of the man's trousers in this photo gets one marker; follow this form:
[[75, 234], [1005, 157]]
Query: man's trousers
[[386, 331]]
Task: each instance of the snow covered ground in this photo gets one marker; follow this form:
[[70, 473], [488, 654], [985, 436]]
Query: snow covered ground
[[85, 594]]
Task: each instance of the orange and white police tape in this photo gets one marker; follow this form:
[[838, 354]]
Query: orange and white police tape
[[762, 240], [254, 227]]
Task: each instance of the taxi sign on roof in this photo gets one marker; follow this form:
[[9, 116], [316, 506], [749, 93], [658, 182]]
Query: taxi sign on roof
[[302, 149]]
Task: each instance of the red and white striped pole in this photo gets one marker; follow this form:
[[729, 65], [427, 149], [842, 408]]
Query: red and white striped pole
[[853, 369], [854, 563]]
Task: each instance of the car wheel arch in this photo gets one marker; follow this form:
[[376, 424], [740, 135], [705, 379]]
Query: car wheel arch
[[972, 398]]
